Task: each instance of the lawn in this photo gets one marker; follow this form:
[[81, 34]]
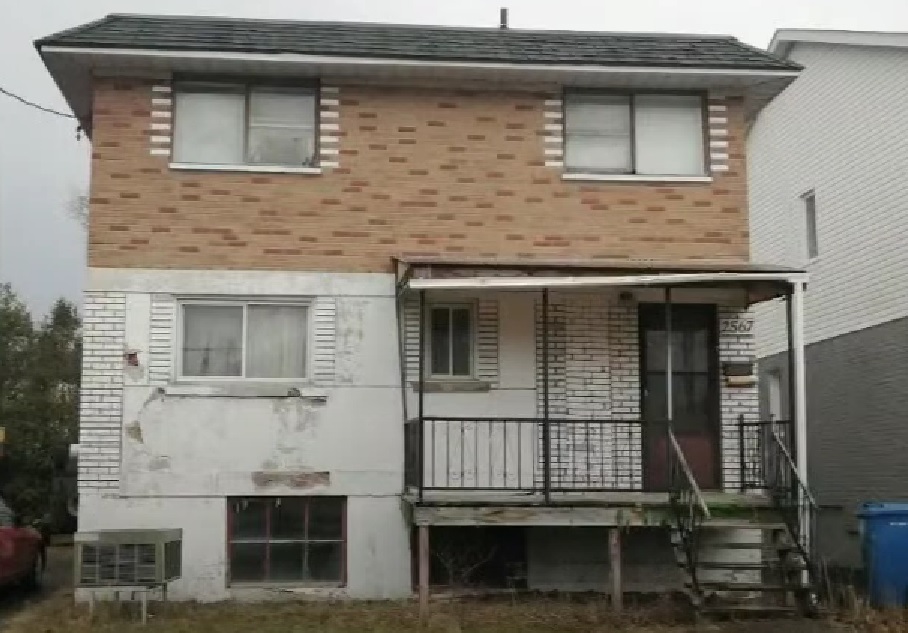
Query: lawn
[[57, 613]]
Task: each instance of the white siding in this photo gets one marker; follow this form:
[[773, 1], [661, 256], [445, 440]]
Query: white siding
[[841, 129]]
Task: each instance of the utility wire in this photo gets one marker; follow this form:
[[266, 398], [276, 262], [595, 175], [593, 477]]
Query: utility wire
[[32, 104]]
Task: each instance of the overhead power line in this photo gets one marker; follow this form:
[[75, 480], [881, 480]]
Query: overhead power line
[[32, 104]]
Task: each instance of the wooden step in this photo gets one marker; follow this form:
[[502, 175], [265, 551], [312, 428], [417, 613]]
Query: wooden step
[[743, 524], [752, 610], [770, 565], [745, 586]]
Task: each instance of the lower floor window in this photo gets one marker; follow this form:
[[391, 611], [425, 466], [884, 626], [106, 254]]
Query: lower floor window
[[287, 539]]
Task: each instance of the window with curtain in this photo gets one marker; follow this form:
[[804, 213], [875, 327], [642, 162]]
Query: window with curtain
[[244, 340], [287, 540], [233, 124], [645, 134], [451, 341]]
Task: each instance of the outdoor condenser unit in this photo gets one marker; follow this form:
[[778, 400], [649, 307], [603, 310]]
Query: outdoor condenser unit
[[128, 558]]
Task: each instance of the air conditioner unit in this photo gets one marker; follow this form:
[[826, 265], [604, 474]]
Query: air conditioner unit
[[128, 558]]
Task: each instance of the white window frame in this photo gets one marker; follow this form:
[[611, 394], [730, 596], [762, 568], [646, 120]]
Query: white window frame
[[474, 338], [633, 174], [811, 237], [246, 89], [244, 303]]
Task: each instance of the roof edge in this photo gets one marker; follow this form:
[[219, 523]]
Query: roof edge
[[784, 39]]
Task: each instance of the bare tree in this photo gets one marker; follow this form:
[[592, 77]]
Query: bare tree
[[77, 208]]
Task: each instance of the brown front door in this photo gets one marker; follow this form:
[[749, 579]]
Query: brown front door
[[695, 390]]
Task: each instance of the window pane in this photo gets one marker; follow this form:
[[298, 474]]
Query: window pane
[[288, 518], [441, 341], [287, 561], [326, 518], [324, 563], [212, 340], [249, 518], [247, 562], [281, 128], [668, 130], [461, 332], [209, 127], [276, 342], [598, 133]]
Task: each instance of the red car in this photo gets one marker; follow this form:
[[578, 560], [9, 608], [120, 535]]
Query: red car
[[22, 556]]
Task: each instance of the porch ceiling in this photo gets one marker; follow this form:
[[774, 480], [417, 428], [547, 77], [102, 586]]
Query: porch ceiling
[[762, 282]]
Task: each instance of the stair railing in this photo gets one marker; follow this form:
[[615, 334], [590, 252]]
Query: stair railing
[[687, 504], [792, 498]]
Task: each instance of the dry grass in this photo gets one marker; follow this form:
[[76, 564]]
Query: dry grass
[[58, 614]]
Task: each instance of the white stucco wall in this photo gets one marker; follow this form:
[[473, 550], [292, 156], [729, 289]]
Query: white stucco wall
[[177, 450]]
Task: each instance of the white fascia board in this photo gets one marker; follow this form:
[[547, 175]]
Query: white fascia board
[[592, 281], [367, 62]]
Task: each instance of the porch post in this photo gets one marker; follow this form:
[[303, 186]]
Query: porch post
[[420, 401], [546, 431], [669, 405], [798, 396], [423, 554], [614, 554]]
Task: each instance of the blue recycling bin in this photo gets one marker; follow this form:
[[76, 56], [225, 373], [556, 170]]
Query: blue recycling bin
[[885, 535]]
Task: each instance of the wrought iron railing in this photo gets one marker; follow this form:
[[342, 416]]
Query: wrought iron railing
[[687, 503], [791, 497], [755, 445], [510, 454]]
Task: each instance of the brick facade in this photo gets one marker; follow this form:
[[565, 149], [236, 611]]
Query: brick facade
[[420, 171], [101, 395]]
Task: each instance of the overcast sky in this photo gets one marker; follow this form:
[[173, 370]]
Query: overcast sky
[[43, 166]]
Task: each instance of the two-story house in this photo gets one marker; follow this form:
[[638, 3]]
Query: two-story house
[[828, 165], [362, 293]]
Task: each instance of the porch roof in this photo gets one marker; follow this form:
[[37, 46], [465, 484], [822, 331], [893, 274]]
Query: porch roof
[[762, 282]]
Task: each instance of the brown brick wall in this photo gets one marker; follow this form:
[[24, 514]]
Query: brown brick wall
[[422, 171]]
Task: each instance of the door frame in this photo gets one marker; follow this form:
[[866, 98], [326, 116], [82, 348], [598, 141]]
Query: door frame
[[713, 369]]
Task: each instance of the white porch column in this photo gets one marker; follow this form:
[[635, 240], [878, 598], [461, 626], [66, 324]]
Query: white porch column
[[800, 378]]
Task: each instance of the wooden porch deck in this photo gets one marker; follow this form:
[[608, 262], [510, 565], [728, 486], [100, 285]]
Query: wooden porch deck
[[626, 509]]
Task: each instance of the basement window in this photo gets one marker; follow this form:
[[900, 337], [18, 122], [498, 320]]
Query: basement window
[[299, 540], [255, 340], [222, 124], [634, 134]]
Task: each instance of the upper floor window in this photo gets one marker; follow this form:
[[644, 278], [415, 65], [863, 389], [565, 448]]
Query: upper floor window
[[243, 340], [645, 134], [810, 224], [451, 341], [234, 124]]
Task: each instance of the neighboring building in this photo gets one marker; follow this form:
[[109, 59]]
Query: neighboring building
[[828, 192], [274, 203]]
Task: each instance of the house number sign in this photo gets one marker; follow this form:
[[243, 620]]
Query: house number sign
[[736, 326]]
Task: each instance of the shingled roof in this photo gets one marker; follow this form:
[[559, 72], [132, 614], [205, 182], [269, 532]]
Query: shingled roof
[[433, 43]]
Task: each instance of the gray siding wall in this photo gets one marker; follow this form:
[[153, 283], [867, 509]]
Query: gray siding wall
[[857, 426]]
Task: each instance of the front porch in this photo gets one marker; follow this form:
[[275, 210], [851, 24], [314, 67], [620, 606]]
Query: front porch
[[552, 397]]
